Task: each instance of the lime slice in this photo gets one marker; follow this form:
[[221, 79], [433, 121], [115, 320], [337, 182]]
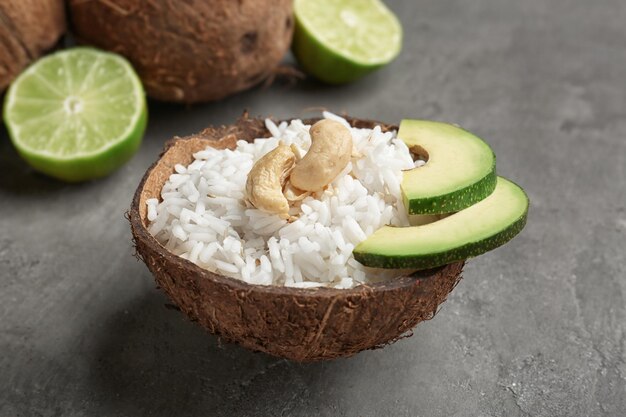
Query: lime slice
[[339, 41], [77, 114]]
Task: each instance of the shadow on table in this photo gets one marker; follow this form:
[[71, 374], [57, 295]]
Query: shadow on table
[[18, 177], [151, 360]]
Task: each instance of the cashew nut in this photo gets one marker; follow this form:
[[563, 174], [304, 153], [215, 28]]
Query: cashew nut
[[293, 194], [264, 187], [329, 154]]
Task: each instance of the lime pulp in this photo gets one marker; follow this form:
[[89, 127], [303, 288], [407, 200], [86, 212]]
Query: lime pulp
[[77, 114], [340, 41]]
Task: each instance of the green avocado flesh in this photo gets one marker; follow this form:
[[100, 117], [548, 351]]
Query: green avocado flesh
[[459, 172], [470, 232]]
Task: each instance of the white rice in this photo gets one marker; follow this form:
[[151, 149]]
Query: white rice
[[203, 216]]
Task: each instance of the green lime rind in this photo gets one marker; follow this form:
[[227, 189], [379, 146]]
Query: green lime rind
[[323, 63], [85, 144], [90, 166], [333, 64]]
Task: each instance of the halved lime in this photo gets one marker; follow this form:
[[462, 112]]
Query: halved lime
[[77, 114], [339, 41]]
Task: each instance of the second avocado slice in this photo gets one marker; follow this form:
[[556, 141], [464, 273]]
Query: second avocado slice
[[470, 232], [460, 169]]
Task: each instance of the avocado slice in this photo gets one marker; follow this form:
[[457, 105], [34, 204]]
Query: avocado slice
[[459, 172], [470, 232]]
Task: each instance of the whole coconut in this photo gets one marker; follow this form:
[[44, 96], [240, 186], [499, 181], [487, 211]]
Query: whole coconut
[[28, 28], [192, 50]]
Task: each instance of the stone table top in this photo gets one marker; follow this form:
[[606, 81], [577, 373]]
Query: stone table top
[[536, 328]]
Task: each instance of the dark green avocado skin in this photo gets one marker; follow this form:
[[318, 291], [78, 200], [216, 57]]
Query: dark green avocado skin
[[433, 260], [457, 200]]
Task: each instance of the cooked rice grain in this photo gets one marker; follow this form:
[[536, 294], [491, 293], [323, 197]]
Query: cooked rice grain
[[202, 215]]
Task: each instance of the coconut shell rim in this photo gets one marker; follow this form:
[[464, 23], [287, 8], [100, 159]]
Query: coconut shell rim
[[216, 134]]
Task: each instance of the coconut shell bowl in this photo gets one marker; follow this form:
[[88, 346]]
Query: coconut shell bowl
[[293, 323]]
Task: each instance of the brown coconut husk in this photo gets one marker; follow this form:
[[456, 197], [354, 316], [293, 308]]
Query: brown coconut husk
[[28, 28], [190, 51], [298, 324]]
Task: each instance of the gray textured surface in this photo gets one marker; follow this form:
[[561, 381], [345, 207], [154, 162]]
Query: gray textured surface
[[536, 328]]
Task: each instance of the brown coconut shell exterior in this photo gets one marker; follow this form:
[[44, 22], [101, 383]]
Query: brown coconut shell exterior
[[298, 324], [28, 28], [194, 50]]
